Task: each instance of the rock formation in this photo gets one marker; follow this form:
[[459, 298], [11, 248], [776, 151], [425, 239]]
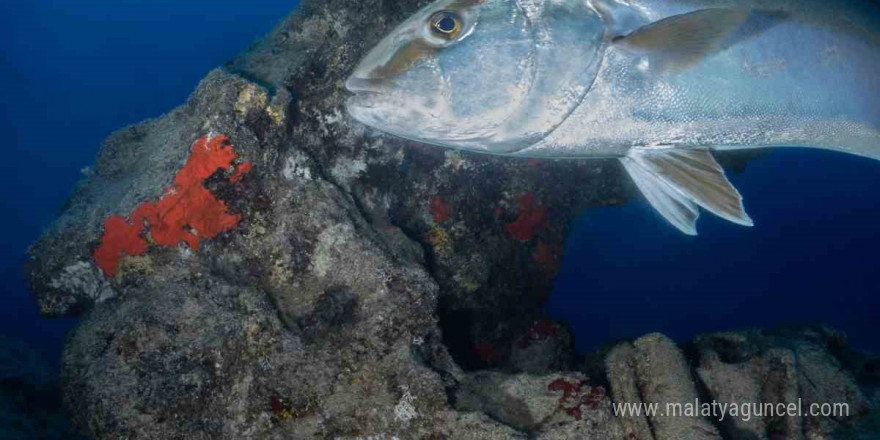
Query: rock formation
[[356, 286]]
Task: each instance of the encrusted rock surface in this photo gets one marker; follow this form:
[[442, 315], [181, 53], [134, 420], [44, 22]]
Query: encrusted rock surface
[[620, 364], [372, 287], [554, 406], [754, 368], [780, 369], [664, 379]]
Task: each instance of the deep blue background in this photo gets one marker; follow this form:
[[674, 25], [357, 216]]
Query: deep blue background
[[811, 258], [73, 71]]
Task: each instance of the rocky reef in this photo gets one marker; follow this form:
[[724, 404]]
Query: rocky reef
[[254, 264]]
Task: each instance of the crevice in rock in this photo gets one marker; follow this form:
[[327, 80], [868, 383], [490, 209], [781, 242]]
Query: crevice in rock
[[325, 176], [230, 68], [592, 364], [532, 434], [365, 216], [692, 355], [728, 351], [429, 263], [455, 326], [641, 395]]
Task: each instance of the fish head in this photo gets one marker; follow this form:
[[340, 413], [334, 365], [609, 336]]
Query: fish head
[[492, 76]]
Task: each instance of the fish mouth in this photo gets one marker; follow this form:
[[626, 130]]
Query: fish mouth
[[364, 86], [365, 92], [360, 101]]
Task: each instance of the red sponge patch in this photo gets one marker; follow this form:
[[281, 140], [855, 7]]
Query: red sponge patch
[[187, 212], [531, 217], [439, 209]]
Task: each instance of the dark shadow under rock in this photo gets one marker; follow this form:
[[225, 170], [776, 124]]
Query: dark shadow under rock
[[30, 398]]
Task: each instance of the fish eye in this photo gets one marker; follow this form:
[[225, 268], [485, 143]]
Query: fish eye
[[445, 24]]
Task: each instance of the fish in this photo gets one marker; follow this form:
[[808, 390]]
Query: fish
[[657, 84]]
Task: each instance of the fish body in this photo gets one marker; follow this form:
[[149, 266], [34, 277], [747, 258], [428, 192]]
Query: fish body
[[810, 77], [658, 84]]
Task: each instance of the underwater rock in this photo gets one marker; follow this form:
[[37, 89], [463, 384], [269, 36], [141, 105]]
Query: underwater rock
[[341, 280], [731, 376], [664, 378], [620, 364], [547, 406], [779, 368], [545, 347], [187, 212], [357, 284], [754, 367]]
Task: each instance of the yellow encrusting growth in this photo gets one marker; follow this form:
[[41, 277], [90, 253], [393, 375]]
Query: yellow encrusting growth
[[255, 97], [439, 239], [141, 264], [251, 96]]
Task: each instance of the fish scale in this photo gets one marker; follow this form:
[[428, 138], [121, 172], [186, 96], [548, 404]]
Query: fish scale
[[657, 84]]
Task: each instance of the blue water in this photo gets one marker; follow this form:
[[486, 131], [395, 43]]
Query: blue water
[[72, 72], [811, 258]]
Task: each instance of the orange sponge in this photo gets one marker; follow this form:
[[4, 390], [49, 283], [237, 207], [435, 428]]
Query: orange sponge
[[187, 212]]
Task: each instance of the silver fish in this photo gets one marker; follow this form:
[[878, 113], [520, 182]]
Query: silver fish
[[659, 84]]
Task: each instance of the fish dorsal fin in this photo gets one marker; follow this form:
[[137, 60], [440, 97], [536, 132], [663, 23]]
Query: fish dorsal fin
[[676, 181], [678, 42]]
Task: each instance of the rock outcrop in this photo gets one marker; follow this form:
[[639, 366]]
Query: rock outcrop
[[357, 285], [782, 369]]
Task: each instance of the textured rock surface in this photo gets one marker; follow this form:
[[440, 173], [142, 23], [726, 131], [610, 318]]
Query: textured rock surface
[[664, 378], [551, 407], [621, 366], [368, 286], [779, 369], [545, 347], [311, 316], [812, 366]]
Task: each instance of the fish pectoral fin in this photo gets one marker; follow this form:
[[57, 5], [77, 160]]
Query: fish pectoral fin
[[678, 42], [676, 181]]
